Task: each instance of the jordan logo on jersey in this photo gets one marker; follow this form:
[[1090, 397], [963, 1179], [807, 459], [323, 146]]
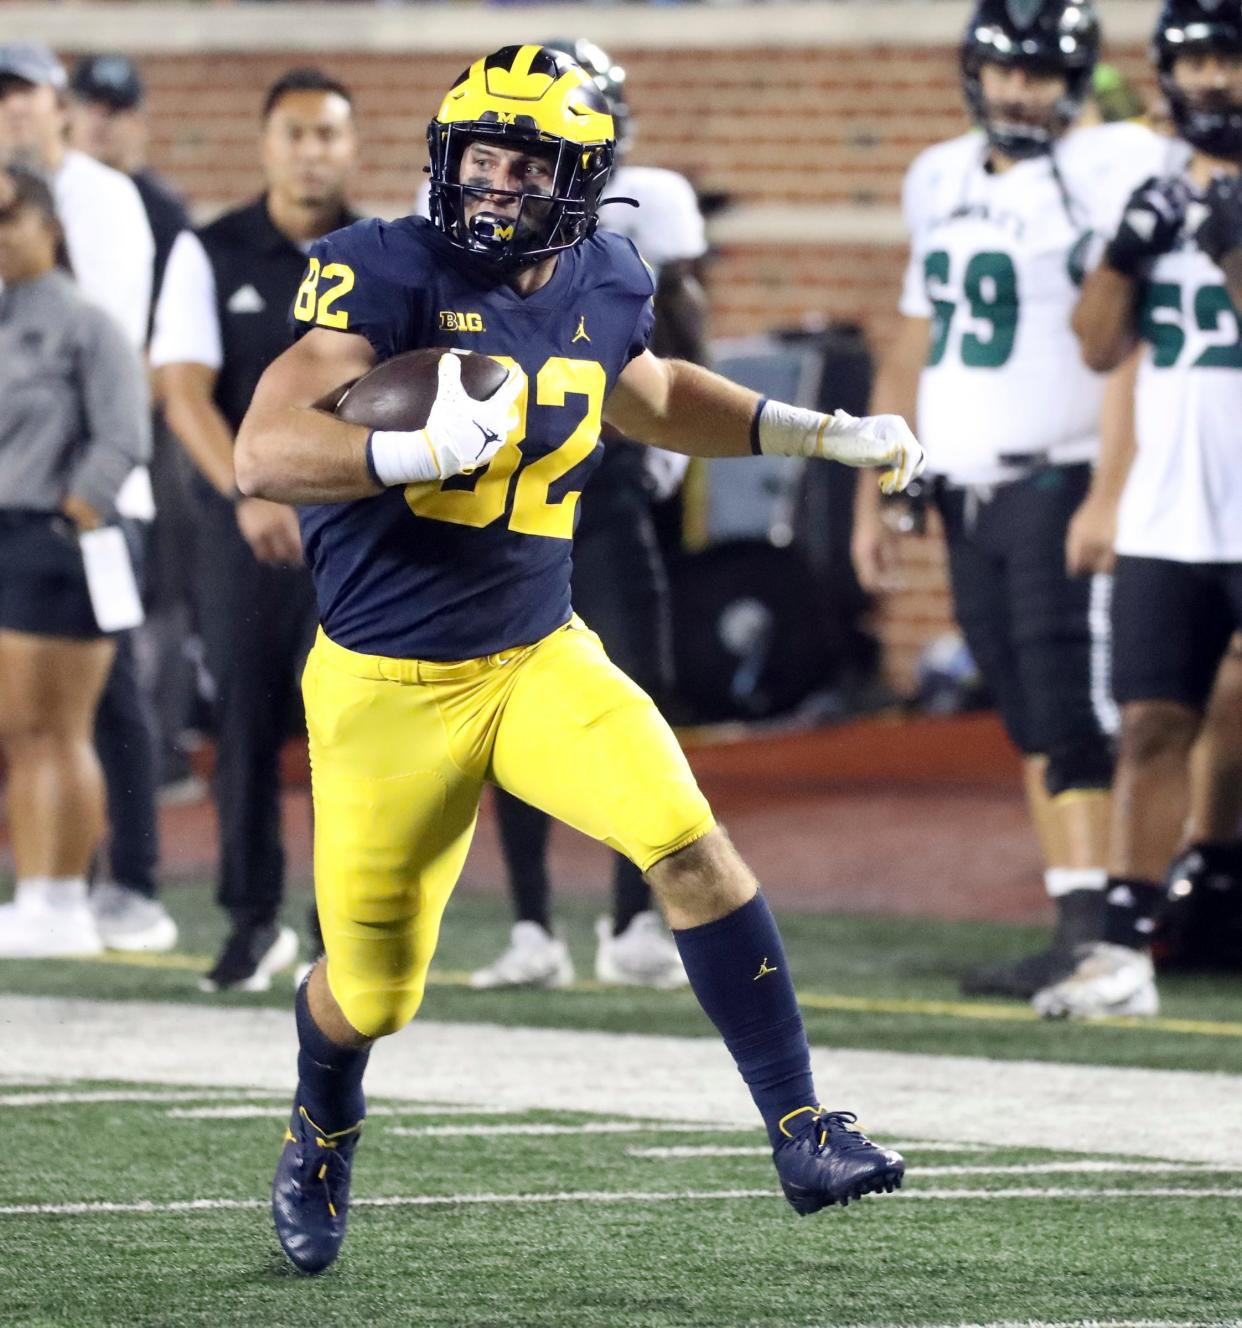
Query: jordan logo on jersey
[[581, 333]]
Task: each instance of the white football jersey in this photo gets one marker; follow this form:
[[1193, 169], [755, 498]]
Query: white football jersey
[[1183, 496], [996, 261], [666, 226]]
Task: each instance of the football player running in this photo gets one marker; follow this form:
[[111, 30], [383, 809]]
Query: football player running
[[1000, 225], [449, 655], [1170, 285]]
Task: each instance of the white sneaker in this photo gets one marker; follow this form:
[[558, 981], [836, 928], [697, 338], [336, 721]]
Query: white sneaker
[[534, 958], [48, 920], [128, 920], [1109, 980], [644, 955]]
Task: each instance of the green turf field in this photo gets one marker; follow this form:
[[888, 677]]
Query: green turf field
[[591, 1230], [141, 1202]]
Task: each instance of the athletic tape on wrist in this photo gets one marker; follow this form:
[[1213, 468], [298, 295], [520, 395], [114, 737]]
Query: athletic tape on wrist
[[402, 457]]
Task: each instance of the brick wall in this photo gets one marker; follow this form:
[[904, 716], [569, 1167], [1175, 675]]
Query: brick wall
[[801, 128]]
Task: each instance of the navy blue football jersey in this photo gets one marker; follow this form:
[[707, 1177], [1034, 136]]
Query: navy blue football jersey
[[479, 563]]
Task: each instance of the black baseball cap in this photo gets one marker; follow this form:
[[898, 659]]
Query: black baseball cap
[[111, 80]]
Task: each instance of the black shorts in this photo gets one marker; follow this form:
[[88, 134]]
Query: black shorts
[[1171, 628], [42, 579], [1038, 635]]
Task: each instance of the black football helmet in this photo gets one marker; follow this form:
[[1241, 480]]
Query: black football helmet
[[609, 78], [535, 100], [1052, 36], [1200, 926], [1211, 124]]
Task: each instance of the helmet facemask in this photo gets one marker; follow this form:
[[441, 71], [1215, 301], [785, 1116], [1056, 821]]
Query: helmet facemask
[[1044, 37], [1016, 130], [544, 224], [538, 102], [1210, 121]]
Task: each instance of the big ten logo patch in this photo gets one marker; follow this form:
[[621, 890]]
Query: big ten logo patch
[[451, 321]]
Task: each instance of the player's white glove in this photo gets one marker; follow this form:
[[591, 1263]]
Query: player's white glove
[[461, 434], [882, 442]]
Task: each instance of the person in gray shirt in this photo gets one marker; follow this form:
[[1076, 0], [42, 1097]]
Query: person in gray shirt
[[73, 425]]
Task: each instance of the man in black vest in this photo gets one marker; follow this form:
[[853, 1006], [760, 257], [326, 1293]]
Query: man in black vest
[[221, 320]]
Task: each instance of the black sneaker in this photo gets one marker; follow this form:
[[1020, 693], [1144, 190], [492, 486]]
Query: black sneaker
[[249, 958], [1021, 977], [1080, 920]]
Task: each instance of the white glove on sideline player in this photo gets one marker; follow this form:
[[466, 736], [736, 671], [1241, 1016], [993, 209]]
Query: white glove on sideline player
[[461, 434], [880, 441]]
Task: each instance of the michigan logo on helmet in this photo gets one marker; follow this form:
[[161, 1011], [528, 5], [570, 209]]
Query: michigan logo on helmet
[[1057, 37], [537, 101], [1211, 123]]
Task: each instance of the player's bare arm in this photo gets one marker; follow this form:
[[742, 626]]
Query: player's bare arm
[[873, 544], [1106, 317], [291, 452], [1093, 529], [685, 408]]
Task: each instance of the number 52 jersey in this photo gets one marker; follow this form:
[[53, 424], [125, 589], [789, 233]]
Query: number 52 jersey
[[996, 263], [476, 564]]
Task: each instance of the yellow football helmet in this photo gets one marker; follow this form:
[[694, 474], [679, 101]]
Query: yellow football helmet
[[526, 98]]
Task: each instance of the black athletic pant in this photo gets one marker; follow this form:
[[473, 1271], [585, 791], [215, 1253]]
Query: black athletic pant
[[258, 623], [620, 589], [1038, 640], [126, 743]]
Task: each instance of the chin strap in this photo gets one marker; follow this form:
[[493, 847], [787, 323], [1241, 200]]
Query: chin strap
[[629, 202]]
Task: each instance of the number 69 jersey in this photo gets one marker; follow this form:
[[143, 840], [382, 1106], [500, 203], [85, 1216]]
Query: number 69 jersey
[[996, 261], [480, 563]]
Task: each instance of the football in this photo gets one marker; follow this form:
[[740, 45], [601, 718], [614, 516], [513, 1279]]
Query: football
[[399, 393]]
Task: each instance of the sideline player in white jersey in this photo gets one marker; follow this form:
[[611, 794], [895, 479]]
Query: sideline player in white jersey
[[1001, 224], [1170, 285], [631, 613]]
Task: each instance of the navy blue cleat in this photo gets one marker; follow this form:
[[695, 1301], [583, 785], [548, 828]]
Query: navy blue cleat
[[827, 1161], [310, 1194]]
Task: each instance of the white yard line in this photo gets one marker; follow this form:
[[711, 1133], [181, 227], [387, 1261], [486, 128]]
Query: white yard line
[[89, 1096], [1069, 1323], [144, 1207], [1079, 1108], [280, 1108], [587, 1127], [750, 1150], [1083, 1167]]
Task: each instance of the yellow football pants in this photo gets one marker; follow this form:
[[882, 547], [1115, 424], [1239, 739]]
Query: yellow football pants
[[400, 750]]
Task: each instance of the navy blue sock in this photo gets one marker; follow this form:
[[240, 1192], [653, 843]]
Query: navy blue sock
[[329, 1075], [737, 968]]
